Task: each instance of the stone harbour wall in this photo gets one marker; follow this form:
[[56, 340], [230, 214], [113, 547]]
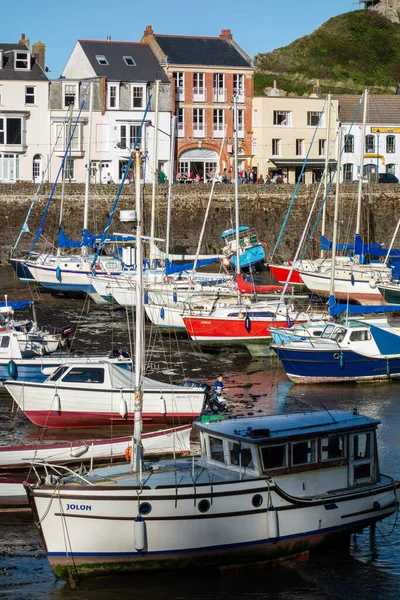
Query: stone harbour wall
[[261, 206]]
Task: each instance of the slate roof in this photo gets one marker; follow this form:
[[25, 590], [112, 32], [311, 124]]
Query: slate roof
[[382, 109], [8, 72], [207, 51], [147, 67]]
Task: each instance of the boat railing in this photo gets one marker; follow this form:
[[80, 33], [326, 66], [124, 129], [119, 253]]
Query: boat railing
[[57, 470]]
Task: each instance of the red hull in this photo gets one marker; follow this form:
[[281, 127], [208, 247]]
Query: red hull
[[80, 420], [281, 272], [245, 287], [230, 329]]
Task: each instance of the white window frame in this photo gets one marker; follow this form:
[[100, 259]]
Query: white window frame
[[199, 127], [30, 94], [101, 59], [276, 147], [180, 123], [390, 144], [129, 61], [199, 91], [240, 123], [219, 87], [282, 118], [321, 147], [3, 130], [370, 138], [349, 143], [179, 85], [348, 169], [128, 132], [137, 86], [113, 86], [313, 118], [18, 59], [238, 86], [76, 143], [69, 86], [218, 122]]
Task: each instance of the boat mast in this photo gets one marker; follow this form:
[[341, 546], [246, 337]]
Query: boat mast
[[155, 175], [237, 223], [139, 337], [360, 180], [87, 183], [171, 179], [335, 218], [67, 137], [326, 173]]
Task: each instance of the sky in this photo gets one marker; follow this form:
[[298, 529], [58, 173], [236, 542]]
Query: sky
[[259, 26]]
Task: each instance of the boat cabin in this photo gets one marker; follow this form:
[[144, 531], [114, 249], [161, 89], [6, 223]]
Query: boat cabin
[[247, 239], [308, 453], [9, 346]]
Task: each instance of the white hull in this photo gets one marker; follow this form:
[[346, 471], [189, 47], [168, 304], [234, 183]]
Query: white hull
[[361, 288]]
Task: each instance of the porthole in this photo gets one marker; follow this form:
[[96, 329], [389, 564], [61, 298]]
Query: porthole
[[145, 508], [257, 500], [204, 506], [336, 355]]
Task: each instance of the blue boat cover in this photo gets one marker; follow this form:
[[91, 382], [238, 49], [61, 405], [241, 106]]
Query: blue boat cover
[[171, 267], [387, 342], [17, 304], [359, 247], [357, 309], [230, 231], [89, 240]]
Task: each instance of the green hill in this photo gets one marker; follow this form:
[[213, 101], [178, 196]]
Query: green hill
[[347, 53]]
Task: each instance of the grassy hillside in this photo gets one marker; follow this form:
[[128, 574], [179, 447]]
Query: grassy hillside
[[347, 53]]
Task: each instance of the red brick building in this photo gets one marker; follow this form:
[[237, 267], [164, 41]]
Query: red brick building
[[205, 73]]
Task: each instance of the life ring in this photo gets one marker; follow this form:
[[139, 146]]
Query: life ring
[[264, 245], [128, 453]]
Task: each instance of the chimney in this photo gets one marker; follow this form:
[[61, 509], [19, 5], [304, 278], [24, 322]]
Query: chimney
[[226, 34], [148, 31], [39, 52], [23, 41], [109, 38]]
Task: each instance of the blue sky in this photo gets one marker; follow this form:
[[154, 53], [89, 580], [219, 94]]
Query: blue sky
[[258, 26]]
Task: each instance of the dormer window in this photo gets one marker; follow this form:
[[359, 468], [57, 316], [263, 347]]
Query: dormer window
[[129, 61], [22, 61], [101, 59], [70, 93], [138, 96]]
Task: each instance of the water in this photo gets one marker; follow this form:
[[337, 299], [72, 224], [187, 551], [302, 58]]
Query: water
[[371, 570]]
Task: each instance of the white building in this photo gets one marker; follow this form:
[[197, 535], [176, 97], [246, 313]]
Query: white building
[[24, 122], [124, 76], [381, 146]]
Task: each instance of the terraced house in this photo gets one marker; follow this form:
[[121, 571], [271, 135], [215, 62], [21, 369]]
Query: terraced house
[[206, 72]]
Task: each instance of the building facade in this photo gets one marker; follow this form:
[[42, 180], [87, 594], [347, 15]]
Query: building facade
[[24, 120], [205, 73], [122, 118], [287, 130]]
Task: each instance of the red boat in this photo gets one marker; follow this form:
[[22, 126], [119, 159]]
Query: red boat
[[281, 273]]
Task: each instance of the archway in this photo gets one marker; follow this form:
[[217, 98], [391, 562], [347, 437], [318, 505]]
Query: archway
[[198, 161]]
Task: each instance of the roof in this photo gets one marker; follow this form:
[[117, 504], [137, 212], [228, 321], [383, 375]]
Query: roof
[[146, 66], [279, 427], [8, 72], [207, 51], [382, 109]]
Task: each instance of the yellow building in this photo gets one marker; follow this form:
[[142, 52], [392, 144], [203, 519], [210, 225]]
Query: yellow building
[[286, 130]]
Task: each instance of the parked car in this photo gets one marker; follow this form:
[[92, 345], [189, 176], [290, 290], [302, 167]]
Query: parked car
[[388, 178]]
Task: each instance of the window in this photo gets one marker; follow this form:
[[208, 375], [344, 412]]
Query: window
[[219, 89], [129, 61], [216, 449], [22, 61], [179, 85], [348, 172], [69, 168], [238, 86], [101, 59], [198, 121], [1, 94], [282, 118], [129, 137], [363, 455], [29, 95], [391, 168], [112, 95], [63, 134], [198, 84], [276, 147], [240, 123], [332, 447], [84, 375], [69, 95], [299, 147], [360, 336], [349, 143], [390, 144], [10, 131], [180, 121], [321, 147], [313, 118], [274, 457], [240, 456], [369, 144], [36, 167], [5, 341], [218, 122], [304, 453], [57, 374], [137, 96], [254, 146]]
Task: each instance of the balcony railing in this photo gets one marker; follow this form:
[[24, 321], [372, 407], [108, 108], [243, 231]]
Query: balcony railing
[[199, 130], [239, 95], [218, 130], [180, 94], [219, 95], [199, 94]]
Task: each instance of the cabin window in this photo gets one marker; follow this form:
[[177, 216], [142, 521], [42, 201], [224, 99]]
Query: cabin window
[[5, 341], [84, 375], [362, 457], [240, 456], [339, 334], [332, 447], [274, 457], [304, 453], [57, 374], [360, 336], [327, 331], [216, 449]]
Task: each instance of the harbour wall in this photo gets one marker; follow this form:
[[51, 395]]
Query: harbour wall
[[261, 206]]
